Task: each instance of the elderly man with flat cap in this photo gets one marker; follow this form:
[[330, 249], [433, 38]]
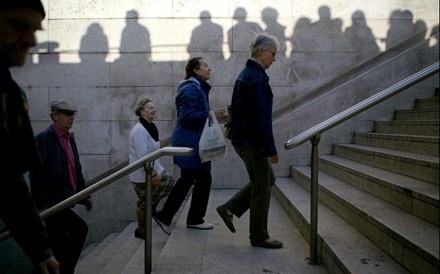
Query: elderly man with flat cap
[[19, 19], [60, 177]]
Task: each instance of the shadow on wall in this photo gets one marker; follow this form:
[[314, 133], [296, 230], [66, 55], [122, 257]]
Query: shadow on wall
[[315, 53], [314, 58]]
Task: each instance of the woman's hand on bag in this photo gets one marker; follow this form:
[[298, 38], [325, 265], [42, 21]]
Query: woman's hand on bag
[[220, 113]]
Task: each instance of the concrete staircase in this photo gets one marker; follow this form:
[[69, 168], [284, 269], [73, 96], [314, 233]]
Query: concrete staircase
[[121, 252], [378, 213], [216, 251], [379, 197]]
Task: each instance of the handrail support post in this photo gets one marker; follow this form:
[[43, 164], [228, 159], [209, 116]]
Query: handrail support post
[[313, 259], [148, 215]]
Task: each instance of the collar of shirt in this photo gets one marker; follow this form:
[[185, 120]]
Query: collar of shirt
[[258, 62], [59, 132]]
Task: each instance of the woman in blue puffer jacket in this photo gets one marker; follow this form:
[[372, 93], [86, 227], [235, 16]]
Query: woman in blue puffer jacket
[[192, 104]]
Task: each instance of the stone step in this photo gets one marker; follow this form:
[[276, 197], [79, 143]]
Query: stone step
[[425, 128], [412, 195], [417, 114], [428, 102], [124, 253], [99, 262], [409, 240], [136, 264], [159, 240], [419, 166], [220, 251], [341, 248], [91, 252], [428, 145]]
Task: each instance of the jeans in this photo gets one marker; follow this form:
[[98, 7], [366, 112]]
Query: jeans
[[255, 195]]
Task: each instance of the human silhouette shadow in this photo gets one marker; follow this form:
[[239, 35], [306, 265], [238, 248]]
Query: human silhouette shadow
[[435, 47], [301, 38], [435, 34], [93, 42], [93, 52], [302, 68], [270, 16], [135, 37], [133, 64], [327, 32], [242, 33], [401, 28], [207, 37], [317, 51], [240, 37], [361, 39]]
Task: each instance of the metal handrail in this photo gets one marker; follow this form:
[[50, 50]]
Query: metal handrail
[[362, 106], [146, 161], [314, 135], [174, 151]]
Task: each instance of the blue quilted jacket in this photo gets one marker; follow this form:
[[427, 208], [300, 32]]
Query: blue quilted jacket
[[192, 105]]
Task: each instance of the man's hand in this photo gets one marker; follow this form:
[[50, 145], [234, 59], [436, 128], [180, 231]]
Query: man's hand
[[156, 180], [219, 113], [49, 266], [273, 159], [89, 204]]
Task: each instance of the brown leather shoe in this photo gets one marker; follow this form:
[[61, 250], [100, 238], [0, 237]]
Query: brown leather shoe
[[268, 243]]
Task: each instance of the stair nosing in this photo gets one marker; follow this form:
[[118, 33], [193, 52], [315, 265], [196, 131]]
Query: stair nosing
[[401, 155], [431, 194], [409, 137], [338, 241], [409, 242]]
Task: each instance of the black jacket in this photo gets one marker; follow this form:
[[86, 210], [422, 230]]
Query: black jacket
[[251, 109], [50, 184], [17, 154], [18, 151]]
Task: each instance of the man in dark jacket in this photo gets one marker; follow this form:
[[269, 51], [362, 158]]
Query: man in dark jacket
[[60, 177], [19, 19], [252, 137]]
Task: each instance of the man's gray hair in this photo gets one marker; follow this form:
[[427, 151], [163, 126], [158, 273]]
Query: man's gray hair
[[263, 41]]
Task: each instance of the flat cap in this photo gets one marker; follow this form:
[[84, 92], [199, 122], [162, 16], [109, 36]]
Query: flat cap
[[23, 4], [62, 105]]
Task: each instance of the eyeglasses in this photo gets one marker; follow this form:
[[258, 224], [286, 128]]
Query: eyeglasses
[[272, 52]]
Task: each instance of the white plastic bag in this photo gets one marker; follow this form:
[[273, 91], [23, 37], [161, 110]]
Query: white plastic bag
[[212, 144]]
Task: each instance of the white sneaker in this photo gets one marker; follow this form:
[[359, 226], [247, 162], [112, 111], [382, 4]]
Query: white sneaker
[[203, 226]]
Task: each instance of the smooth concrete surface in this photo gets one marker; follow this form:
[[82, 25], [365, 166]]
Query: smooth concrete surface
[[342, 248], [218, 250]]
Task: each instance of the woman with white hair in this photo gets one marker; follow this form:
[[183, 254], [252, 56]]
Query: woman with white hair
[[144, 139]]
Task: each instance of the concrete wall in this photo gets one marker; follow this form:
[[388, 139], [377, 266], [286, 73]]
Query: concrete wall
[[106, 55]]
